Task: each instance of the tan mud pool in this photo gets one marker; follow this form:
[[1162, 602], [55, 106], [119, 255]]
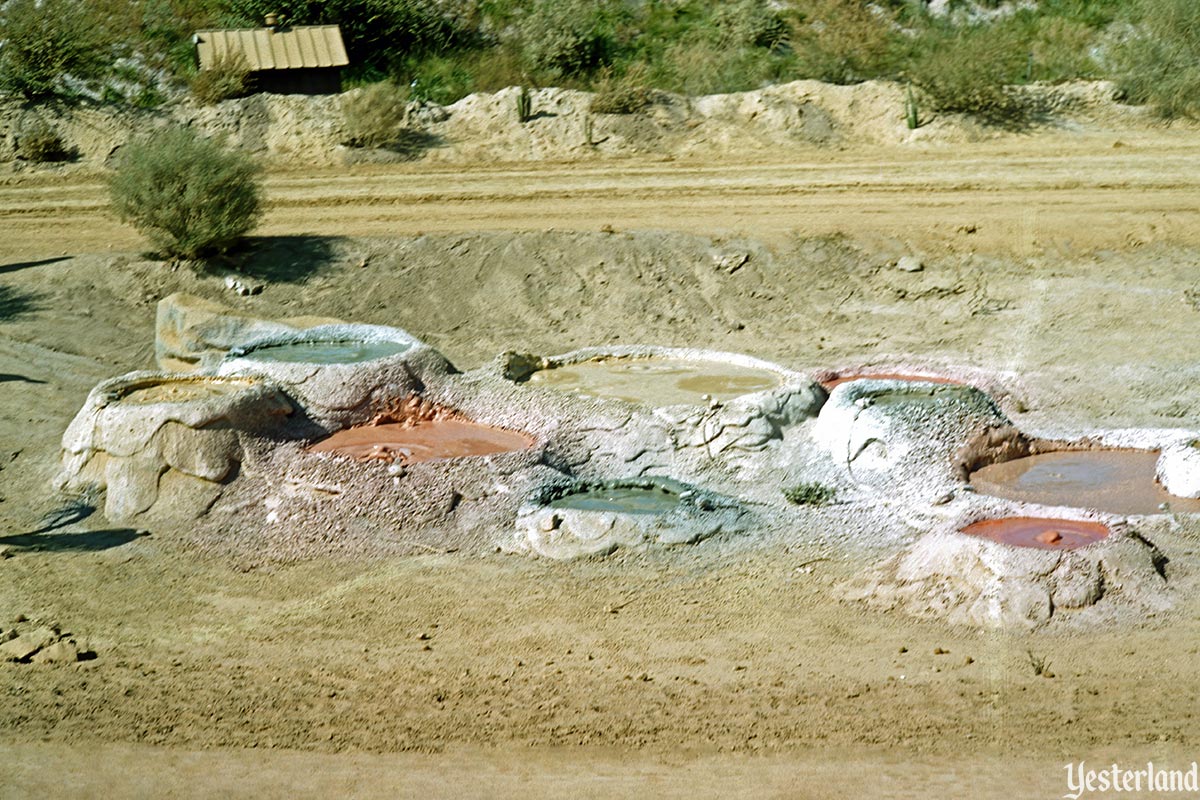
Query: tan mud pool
[[657, 381], [1116, 481], [424, 441], [183, 390]]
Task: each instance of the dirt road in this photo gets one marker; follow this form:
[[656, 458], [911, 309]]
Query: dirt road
[[1052, 192]]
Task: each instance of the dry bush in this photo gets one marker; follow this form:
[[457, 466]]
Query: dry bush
[[376, 115], [228, 77], [627, 94], [971, 71], [40, 142], [844, 41], [189, 196]]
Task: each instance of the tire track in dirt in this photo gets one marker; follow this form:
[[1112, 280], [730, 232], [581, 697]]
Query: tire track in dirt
[[1109, 198]]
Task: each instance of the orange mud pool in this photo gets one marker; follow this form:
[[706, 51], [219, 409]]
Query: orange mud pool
[[1040, 532]]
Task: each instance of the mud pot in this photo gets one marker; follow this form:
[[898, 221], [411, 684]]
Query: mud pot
[[182, 390], [1116, 481], [432, 440], [1040, 532], [657, 381], [349, 352], [620, 500]]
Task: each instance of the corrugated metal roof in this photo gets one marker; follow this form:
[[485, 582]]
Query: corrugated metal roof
[[298, 47]]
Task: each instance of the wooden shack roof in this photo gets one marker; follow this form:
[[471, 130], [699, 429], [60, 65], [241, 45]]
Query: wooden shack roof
[[299, 47]]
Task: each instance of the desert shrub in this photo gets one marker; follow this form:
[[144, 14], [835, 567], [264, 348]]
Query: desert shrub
[[624, 95], [40, 142], [699, 66], [563, 39], [44, 40], [748, 23], [1061, 50], [227, 77], [188, 195], [375, 115], [441, 79], [810, 493], [844, 41], [1158, 64], [970, 70]]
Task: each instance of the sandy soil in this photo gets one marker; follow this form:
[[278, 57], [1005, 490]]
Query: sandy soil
[[1064, 264]]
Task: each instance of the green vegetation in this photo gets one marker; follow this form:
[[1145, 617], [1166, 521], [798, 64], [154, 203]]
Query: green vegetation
[[189, 196], [44, 42], [966, 60], [1159, 61], [810, 493]]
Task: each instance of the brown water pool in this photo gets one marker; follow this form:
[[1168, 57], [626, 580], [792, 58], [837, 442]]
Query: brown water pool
[[424, 441], [1116, 481], [1042, 533], [657, 381]]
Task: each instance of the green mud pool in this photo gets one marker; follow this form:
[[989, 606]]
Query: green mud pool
[[347, 352], [622, 500]]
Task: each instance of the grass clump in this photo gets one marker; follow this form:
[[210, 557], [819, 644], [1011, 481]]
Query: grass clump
[[1158, 63], [226, 78], [810, 493], [376, 115], [41, 143], [188, 195]]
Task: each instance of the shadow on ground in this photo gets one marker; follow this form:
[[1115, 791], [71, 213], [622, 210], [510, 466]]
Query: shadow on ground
[[85, 541], [17, 303], [284, 259], [18, 265]]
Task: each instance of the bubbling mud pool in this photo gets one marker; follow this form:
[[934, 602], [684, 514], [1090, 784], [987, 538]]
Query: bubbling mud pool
[[657, 381], [432, 440], [620, 500], [1115, 481], [327, 352], [1042, 533]]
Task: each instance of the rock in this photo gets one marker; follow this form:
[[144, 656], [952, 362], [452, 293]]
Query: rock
[[61, 652], [25, 645], [241, 286], [910, 264]]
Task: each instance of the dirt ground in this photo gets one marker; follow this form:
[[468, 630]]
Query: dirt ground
[[1064, 263]]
